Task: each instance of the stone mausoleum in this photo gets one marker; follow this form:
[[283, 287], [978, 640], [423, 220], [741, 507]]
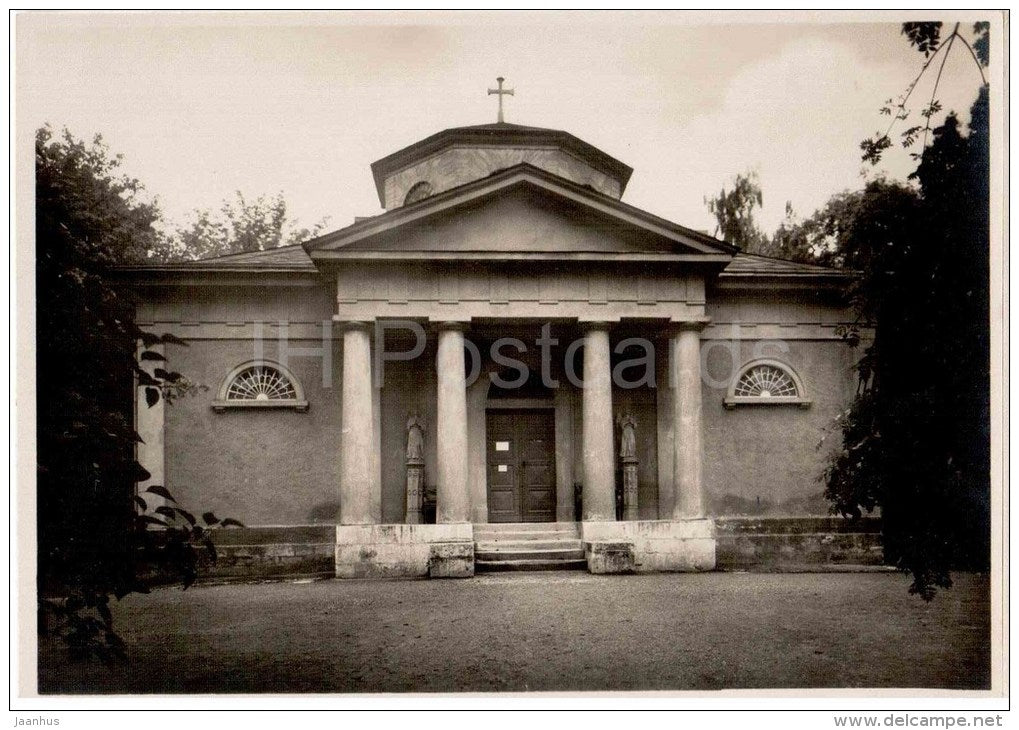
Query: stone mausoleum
[[508, 368]]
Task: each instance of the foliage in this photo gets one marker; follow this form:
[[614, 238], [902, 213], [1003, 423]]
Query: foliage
[[925, 37], [164, 546], [916, 441], [89, 218], [882, 210], [241, 225], [734, 211]]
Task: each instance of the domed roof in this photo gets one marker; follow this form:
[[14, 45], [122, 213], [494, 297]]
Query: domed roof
[[460, 155]]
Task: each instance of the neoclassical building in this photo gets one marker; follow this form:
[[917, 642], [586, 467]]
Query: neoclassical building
[[508, 368]]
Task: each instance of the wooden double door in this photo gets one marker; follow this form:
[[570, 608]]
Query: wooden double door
[[520, 447]]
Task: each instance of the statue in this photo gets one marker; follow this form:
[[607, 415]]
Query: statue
[[628, 438], [415, 439]]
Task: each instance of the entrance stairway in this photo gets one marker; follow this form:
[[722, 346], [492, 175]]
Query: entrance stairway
[[528, 546]]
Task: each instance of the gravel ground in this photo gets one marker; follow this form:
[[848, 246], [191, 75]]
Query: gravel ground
[[545, 631]]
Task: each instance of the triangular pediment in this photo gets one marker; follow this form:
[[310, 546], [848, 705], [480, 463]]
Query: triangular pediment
[[520, 212]]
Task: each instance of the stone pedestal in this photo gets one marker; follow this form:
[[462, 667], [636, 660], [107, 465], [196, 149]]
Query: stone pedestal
[[649, 546], [405, 551], [415, 490], [630, 483]]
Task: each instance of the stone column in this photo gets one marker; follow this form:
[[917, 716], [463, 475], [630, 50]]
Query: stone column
[[688, 442], [452, 496], [599, 500], [376, 438], [360, 500]]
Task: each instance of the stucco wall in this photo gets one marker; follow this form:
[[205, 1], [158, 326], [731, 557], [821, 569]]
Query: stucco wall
[[261, 466], [767, 460]]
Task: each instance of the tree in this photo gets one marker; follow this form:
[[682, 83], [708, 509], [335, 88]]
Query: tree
[[916, 441], [832, 235], [93, 544], [240, 225], [734, 212]]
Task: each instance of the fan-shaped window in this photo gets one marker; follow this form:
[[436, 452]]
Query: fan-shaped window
[[419, 191], [260, 384], [766, 382]]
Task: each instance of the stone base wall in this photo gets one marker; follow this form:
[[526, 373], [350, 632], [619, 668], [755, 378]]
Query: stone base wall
[[774, 544], [271, 553], [798, 544], [649, 546], [405, 551]]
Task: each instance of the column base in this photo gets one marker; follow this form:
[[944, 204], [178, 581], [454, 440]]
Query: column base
[[405, 551], [649, 546]]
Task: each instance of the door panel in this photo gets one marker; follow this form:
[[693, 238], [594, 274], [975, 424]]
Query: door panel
[[521, 466], [503, 497]]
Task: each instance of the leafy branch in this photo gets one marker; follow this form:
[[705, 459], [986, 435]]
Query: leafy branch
[[166, 539], [926, 38]]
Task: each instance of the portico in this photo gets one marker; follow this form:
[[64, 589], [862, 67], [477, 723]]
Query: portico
[[462, 409], [506, 448]]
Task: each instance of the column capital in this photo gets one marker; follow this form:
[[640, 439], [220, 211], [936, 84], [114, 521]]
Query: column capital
[[597, 325], [687, 325], [352, 324], [450, 325]]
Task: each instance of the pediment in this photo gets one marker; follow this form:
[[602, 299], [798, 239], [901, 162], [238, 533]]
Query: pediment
[[519, 213]]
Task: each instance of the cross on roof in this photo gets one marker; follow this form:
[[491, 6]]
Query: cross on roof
[[501, 92]]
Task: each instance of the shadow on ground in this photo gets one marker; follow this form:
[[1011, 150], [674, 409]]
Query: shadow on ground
[[544, 631]]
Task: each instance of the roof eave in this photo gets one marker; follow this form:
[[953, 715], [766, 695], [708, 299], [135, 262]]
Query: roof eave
[[775, 281], [720, 259], [173, 275]]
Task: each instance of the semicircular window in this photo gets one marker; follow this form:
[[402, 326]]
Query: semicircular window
[[261, 384], [418, 191], [766, 383]]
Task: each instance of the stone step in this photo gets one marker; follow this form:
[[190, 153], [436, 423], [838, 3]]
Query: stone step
[[492, 566], [527, 537], [549, 544], [524, 536], [486, 534], [527, 527], [485, 554]]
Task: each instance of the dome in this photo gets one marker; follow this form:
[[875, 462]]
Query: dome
[[460, 155]]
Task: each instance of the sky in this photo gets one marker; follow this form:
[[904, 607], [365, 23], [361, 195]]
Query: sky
[[203, 105]]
